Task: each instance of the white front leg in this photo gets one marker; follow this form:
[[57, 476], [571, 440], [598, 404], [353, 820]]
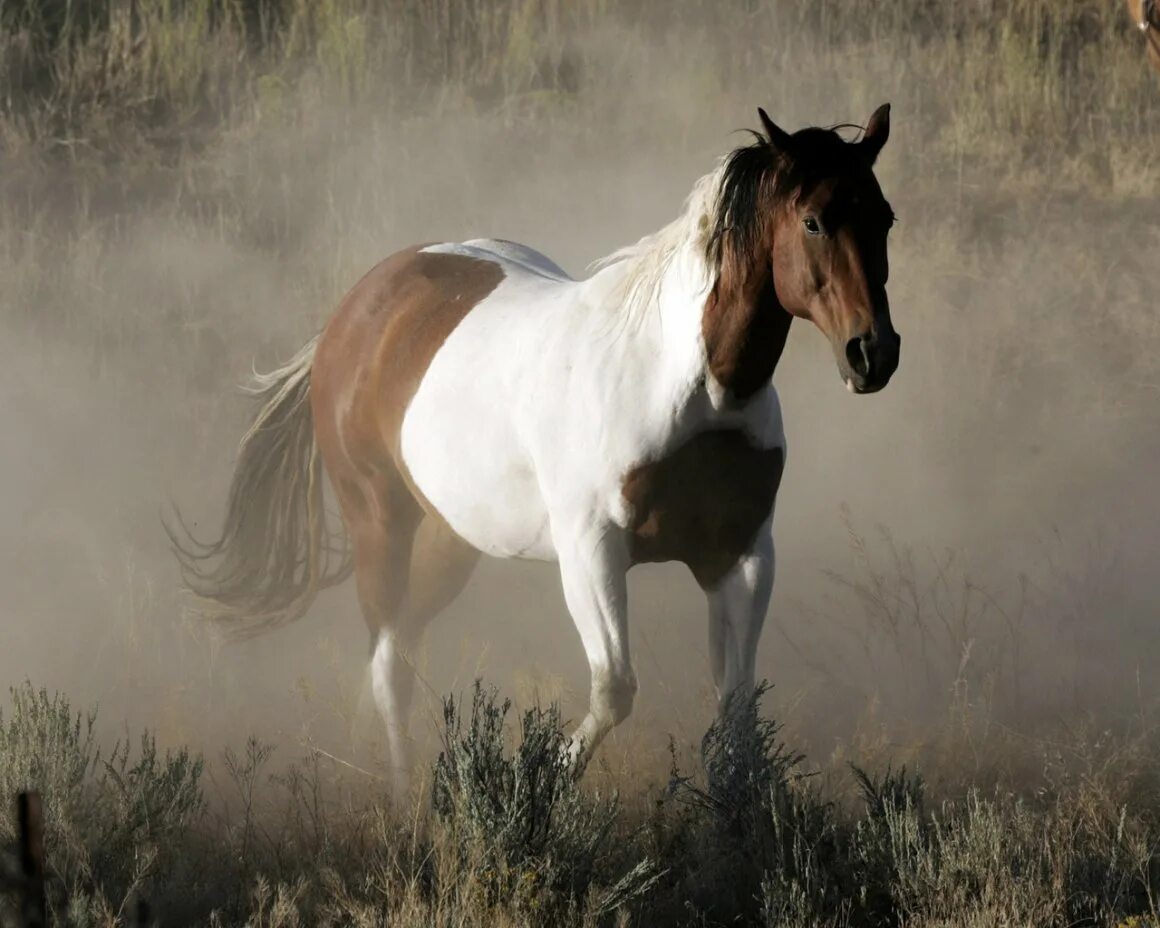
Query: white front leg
[[593, 569], [737, 608]]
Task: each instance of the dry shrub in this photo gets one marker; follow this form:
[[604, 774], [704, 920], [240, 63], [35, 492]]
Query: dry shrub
[[115, 821], [525, 830]]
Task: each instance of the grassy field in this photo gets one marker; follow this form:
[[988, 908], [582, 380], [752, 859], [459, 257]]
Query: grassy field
[[505, 834], [966, 564]]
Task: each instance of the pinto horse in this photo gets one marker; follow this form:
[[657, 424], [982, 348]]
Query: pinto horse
[[471, 397], [1146, 15]]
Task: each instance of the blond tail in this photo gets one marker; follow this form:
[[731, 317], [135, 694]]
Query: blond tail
[[275, 551]]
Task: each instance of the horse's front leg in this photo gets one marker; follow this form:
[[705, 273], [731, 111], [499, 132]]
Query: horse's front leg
[[593, 568], [737, 607]]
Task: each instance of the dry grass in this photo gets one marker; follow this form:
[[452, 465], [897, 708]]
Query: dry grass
[[511, 838], [998, 84]]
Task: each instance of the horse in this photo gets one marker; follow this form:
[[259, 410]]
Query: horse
[[472, 398], [1146, 15]]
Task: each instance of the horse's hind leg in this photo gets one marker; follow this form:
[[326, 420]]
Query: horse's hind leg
[[382, 520], [441, 565], [438, 568], [408, 568]]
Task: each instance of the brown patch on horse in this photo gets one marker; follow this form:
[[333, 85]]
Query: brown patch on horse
[[744, 328], [376, 350], [368, 365], [703, 503], [743, 325]]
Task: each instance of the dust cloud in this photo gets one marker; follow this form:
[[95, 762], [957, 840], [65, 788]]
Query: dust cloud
[[987, 525]]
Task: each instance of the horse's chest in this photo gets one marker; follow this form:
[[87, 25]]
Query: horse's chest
[[703, 503]]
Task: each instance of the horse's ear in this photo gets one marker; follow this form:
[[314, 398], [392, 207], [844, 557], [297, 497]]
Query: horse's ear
[[777, 137], [877, 132]]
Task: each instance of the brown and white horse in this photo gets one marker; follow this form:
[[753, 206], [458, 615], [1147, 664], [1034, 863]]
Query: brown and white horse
[[1146, 15], [471, 397]]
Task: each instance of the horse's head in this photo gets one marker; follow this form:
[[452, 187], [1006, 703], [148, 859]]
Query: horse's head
[[829, 245], [802, 220]]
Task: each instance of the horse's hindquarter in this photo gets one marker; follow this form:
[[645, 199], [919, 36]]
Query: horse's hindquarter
[[370, 360]]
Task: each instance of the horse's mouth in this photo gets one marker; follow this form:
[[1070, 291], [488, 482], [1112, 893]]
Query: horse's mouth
[[864, 387]]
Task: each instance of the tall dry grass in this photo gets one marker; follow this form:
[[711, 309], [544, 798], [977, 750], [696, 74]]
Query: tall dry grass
[[998, 82]]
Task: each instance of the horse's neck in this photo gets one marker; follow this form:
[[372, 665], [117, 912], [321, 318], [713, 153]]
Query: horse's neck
[[657, 318], [704, 325], [744, 328]]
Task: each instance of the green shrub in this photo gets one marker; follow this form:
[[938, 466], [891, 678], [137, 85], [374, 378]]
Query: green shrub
[[114, 822], [762, 847], [764, 843], [523, 827]]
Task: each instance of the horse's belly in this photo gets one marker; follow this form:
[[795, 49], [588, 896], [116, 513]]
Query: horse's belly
[[463, 456]]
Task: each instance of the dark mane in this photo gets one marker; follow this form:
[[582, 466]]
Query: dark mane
[[756, 178]]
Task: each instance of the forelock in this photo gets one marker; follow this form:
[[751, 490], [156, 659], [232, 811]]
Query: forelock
[[755, 180]]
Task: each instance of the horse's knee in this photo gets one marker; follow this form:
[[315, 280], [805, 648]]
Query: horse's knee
[[612, 696], [732, 699]]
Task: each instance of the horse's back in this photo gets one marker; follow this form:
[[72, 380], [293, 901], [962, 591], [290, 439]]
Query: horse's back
[[527, 258]]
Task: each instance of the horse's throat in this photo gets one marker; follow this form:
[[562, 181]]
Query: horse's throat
[[745, 329]]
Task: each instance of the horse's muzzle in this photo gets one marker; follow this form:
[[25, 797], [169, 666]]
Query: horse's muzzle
[[871, 360]]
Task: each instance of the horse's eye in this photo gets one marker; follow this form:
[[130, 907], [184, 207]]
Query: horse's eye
[[812, 225]]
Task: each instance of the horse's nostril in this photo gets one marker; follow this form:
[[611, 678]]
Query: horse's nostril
[[858, 354]]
